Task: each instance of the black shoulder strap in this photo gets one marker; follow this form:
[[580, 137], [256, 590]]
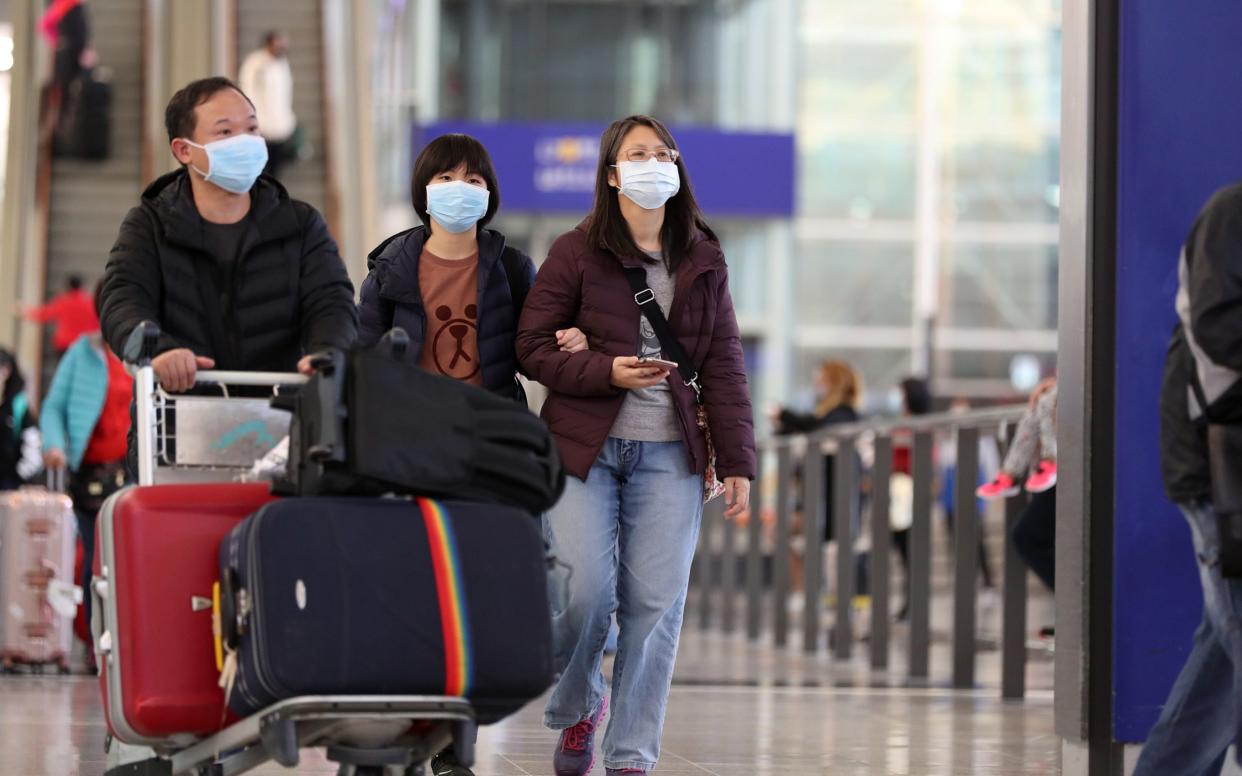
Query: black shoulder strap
[[645, 298], [519, 284]]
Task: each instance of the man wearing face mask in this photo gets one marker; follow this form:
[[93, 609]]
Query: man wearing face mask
[[237, 274]]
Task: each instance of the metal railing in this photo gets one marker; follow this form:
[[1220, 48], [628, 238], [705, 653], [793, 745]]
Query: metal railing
[[725, 576]]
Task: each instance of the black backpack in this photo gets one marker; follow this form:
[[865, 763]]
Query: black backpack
[[371, 422]]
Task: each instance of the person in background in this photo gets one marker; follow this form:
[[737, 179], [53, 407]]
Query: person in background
[[1200, 426], [634, 442], [72, 311], [266, 78], [989, 462], [915, 399], [839, 391], [454, 286], [19, 428], [66, 27], [85, 425], [1033, 451], [1035, 442]]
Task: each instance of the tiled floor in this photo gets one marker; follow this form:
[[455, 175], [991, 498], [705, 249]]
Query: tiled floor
[[735, 709]]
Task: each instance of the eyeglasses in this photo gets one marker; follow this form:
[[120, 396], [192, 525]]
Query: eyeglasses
[[659, 154]]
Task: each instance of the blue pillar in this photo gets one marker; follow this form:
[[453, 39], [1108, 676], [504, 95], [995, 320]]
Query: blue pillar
[[1180, 139]]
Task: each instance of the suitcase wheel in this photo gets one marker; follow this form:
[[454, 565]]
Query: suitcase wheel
[[377, 770], [280, 739]]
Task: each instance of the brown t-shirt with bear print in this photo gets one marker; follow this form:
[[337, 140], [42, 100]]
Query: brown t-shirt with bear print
[[451, 298]]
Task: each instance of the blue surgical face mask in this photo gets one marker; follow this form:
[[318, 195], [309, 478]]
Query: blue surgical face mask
[[457, 205], [234, 163]]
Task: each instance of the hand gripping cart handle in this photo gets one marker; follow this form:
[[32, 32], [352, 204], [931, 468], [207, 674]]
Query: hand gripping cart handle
[[215, 433], [221, 434]]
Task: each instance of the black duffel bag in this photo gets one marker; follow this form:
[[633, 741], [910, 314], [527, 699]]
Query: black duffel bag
[[370, 422]]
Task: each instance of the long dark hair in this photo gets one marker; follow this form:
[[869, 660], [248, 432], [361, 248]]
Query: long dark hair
[[682, 217], [16, 381]]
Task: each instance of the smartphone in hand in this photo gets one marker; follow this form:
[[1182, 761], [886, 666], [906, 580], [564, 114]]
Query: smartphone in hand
[[660, 362]]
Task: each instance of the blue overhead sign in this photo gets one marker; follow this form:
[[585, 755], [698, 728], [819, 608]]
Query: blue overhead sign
[[550, 168]]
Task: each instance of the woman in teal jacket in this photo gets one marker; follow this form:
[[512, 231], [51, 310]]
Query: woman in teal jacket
[[85, 424]]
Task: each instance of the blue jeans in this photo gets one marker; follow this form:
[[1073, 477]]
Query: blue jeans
[[1201, 717], [628, 533]]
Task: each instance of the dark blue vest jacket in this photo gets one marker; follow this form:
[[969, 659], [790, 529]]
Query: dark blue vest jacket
[[391, 297]]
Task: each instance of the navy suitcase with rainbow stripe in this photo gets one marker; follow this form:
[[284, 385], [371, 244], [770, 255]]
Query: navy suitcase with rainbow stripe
[[322, 596]]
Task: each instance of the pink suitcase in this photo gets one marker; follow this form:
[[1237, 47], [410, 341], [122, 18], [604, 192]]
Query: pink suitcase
[[38, 537]]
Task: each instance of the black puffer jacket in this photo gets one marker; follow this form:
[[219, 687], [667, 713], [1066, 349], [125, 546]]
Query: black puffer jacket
[[290, 293], [1208, 341]]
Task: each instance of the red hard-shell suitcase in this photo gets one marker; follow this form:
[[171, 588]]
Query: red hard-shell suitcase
[[152, 590]]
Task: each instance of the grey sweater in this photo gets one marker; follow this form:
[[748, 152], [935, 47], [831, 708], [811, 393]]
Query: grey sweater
[[647, 414]]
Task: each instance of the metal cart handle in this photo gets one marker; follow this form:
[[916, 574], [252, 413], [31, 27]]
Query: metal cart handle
[[221, 377]]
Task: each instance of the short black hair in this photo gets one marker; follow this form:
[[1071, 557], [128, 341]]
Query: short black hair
[[917, 395], [448, 152], [270, 36], [180, 118], [75, 282]]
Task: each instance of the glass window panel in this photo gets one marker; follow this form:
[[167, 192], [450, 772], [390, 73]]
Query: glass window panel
[[857, 178], [1001, 180], [746, 249], [999, 286], [854, 283], [555, 61], [855, 85], [990, 365], [843, 14]]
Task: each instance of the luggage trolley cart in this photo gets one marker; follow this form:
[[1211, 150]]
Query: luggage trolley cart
[[216, 437]]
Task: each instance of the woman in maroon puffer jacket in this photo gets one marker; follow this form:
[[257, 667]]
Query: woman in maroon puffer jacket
[[629, 520]]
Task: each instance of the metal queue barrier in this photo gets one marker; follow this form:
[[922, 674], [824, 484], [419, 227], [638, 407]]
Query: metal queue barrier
[[746, 565]]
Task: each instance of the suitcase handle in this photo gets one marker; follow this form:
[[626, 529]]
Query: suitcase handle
[[233, 615], [57, 480]]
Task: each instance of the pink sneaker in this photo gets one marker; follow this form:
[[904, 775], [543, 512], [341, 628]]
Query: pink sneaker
[[1003, 486], [1044, 478]]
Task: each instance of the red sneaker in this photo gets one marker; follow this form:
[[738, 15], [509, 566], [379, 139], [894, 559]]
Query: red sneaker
[[1003, 486], [1044, 478]]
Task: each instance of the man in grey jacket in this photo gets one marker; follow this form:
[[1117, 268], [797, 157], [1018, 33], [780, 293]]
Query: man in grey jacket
[[1202, 381]]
